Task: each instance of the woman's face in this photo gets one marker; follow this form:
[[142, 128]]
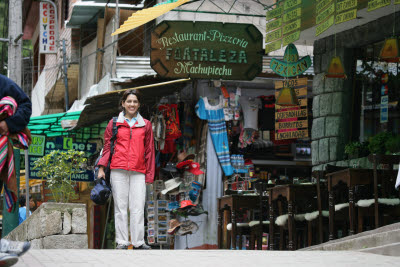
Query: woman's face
[[131, 106]]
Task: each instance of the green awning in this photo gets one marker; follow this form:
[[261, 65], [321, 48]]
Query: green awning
[[50, 125]]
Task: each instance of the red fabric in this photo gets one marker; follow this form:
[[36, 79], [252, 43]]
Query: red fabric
[[133, 150], [171, 116], [169, 147]]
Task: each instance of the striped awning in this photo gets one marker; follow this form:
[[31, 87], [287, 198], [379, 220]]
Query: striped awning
[[145, 15]]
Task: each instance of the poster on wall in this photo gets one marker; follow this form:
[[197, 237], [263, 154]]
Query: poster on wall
[[47, 34], [206, 50], [292, 122]]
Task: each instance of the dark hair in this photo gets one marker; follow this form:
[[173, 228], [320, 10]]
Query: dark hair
[[22, 200], [125, 96]]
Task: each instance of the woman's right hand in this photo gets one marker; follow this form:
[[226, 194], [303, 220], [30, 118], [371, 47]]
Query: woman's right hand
[[101, 173]]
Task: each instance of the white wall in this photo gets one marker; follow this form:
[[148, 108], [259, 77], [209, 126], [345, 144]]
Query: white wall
[[38, 96], [88, 67]]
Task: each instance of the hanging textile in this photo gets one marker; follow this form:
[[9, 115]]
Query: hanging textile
[[217, 128]]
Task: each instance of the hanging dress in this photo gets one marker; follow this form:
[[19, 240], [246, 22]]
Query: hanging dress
[[217, 127]]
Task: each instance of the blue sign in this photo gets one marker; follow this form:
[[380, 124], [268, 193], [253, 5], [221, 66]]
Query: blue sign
[[384, 109], [65, 144]]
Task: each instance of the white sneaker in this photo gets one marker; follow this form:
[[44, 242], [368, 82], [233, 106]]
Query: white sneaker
[[14, 247], [7, 260]]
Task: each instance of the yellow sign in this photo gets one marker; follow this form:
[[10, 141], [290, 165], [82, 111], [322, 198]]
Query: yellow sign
[[291, 15], [292, 26], [291, 38], [346, 4], [273, 36], [325, 14], [291, 124], [324, 26], [291, 3], [375, 4], [274, 13], [291, 114], [346, 16], [321, 5], [291, 135], [272, 46], [273, 24], [299, 92]]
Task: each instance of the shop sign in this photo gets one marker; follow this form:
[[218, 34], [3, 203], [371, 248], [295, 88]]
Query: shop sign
[[346, 16], [275, 24], [295, 25], [36, 148], [286, 69], [273, 36], [291, 38], [376, 4], [299, 92], [291, 3], [299, 134], [384, 109], [302, 102], [325, 14], [274, 13], [206, 50], [321, 5], [291, 15], [47, 34], [346, 4], [324, 25], [273, 46], [64, 144], [291, 124]]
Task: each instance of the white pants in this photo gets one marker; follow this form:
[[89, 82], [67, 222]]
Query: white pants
[[129, 190]]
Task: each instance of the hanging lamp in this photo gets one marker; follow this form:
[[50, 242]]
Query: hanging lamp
[[287, 97], [390, 50], [335, 69]]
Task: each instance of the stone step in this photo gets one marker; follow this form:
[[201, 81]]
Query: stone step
[[387, 250], [382, 236]]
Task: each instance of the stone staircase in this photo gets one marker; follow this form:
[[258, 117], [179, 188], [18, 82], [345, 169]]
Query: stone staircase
[[384, 241]]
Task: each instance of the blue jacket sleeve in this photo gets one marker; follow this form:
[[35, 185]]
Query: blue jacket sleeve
[[20, 119]]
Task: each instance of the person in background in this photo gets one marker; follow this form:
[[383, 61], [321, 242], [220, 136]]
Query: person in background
[[22, 208], [132, 166], [11, 250]]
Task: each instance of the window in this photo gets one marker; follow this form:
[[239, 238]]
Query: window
[[374, 79]]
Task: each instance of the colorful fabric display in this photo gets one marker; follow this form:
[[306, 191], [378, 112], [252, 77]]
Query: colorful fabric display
[[217, 127]]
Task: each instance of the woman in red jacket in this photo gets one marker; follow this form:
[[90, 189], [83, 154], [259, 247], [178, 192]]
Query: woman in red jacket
[[132, 166]]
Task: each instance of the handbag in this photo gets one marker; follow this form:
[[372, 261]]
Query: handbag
[[100, 192]]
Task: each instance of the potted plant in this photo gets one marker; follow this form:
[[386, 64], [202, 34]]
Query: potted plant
[[57, 168], [377, 143], [356, 149]]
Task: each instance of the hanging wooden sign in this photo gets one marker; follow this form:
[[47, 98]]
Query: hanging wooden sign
[[298, 134], [346, 4], [291, 3], [325, 14], [272, 36], [291, 124], [346, 16], [274, 13], [295, 25], [291, 38], [273, 46], [291, 15], [206, 50], [321, 5], [275, 24], [325, 25], [291, 65]]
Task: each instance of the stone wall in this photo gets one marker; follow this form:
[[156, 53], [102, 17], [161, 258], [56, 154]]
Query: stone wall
[[54, 226], [333, 98]]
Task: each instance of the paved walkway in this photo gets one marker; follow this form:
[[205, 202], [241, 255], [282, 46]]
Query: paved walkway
[[195, 258]]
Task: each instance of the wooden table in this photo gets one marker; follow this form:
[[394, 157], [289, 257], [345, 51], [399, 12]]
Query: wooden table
[[351, 177], [234, 203], [291, 192]]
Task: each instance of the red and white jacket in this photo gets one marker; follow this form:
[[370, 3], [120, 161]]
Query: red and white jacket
[[133, 147]]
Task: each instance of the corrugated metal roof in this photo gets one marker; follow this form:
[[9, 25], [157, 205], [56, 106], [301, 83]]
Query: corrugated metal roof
[[129, 67]]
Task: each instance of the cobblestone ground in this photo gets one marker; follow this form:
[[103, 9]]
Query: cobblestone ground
[[194, 258]]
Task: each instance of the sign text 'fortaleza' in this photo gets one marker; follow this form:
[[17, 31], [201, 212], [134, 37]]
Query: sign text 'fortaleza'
[[47, 35], [206, 50], [64, 144]]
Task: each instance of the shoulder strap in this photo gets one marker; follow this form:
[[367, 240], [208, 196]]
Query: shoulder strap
[[114, 136]]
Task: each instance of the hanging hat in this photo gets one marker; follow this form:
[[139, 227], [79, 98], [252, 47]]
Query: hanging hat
[[291, 65], [183, 156], [194, 168], [170, 167], [182, 164], [171, 184], [174, 225], [187, 227], [186, 204]]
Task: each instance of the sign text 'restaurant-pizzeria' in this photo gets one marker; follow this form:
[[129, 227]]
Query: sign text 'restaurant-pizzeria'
[[206, 50]]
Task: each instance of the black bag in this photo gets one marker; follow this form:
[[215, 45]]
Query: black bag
[[100, 192], [102, 189]]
